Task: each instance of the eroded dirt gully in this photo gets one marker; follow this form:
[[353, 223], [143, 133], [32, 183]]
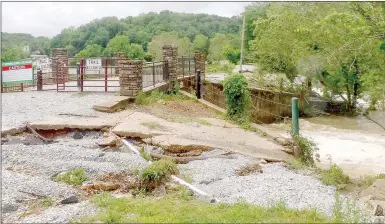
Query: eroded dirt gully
[[210, 151]]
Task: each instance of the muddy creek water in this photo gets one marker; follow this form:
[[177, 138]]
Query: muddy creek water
[[356, 144]]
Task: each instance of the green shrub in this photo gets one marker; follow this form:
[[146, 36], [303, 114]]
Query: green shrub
[[237, 98], [307, 150], [334, 176], [75, 177], [157, 173], [380, 176], [140, 98]]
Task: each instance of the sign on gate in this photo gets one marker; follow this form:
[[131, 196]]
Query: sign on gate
[[43, 63], [93, 64], [16, 72]]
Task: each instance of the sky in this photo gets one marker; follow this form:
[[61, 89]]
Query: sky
[[50, 18]]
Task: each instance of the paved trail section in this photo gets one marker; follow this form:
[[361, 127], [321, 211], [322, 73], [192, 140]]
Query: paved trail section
[[51, 110]]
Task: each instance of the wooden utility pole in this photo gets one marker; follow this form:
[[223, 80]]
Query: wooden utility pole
[[243, 40]]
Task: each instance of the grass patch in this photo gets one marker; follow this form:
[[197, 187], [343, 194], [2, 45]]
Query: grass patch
[[245, 125], [186, 209], [248, 169], [203, 122], [145, 155], [74, 177], [187, 177], [41, 203], [335, 176], [156, 96], [248, 127], [36, 206], [295, 164], [157, 173], [188, 119], [217, 67], [368, 180], [151, 125], [346, 212]]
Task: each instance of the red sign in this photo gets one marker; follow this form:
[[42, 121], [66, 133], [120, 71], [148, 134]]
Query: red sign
[[17, 67]]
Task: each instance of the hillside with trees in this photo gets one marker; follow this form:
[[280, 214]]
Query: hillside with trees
[[138, 37]]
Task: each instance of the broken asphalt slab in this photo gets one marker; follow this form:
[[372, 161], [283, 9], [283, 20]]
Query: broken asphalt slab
[[185, 135], [114, 104]]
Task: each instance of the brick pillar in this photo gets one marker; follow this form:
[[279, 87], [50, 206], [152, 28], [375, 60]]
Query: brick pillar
[[130, 77], [170, 54], [60, 65], [200, 63]]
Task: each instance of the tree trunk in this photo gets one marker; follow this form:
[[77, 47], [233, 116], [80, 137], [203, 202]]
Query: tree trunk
[[349, 96], [356, 84]]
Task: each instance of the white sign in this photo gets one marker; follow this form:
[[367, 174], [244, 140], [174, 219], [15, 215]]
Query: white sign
[[94, 64], [17, 72], [43, 63]]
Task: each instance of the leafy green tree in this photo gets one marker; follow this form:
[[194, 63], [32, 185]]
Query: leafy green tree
[[231, 54], [344, 37], [11, 54], [100, 37], [157, 42], [185, 47], [134, 51], [252, 13], [93, 50], [117, 44], [217, 45], [201, 42], [71, 50]]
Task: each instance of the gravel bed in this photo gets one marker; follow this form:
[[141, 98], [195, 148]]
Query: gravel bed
[[22, 107], [276, 183], [68, 154], [29, 168], [17, 187]]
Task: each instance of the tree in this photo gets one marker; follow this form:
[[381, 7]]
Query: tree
[[344, 37], [71, 50], [231, 54], [252, 13], [93, 50], [216, 47], [201, 42], [185, 47], [157, 42], [117, 44], [134, 51], [101, 37], [11, 54]]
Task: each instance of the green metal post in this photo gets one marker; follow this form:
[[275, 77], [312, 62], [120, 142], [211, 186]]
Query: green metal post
[[295, 115]]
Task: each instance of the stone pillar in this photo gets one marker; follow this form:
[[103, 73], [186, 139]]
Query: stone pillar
[[119, 56], [60, 65], [130, 76], [170, 54], [200, 63]]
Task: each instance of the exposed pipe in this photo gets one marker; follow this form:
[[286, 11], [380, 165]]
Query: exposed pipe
[[175, 178]]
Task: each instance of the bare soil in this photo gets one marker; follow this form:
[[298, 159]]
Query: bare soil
[[172, 110]]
